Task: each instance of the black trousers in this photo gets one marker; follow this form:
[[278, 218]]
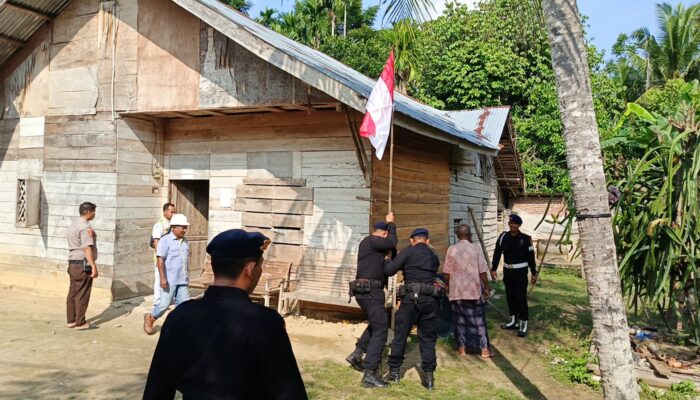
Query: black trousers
[[424, 313], [374, 337], [515, 281]]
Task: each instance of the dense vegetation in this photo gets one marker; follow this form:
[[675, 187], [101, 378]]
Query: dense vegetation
[[645, 97]]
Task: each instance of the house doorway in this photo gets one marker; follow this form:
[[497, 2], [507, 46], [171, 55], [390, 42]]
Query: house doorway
[[191, 198]]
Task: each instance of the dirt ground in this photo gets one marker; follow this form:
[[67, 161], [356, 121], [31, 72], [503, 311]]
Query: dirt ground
[[42, 359]]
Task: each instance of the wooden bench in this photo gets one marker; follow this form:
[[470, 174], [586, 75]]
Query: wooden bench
[[277, 277]]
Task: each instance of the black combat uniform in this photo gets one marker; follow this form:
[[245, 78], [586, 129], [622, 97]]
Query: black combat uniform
[[370, 270], [519, 254], [224, 346], [419, 305]]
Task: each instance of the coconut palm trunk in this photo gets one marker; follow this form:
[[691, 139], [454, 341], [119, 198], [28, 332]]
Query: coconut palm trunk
[[585, 164]]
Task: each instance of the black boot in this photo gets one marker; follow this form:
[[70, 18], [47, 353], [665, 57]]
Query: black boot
[[428, 381], [355, 360], [394, 376], [371, 379], [513, 324], [522, 331]]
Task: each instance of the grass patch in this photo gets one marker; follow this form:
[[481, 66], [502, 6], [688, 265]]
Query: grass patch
[[330, 380]]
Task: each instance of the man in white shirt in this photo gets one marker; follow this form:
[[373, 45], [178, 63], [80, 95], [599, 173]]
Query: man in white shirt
[[160, 229]]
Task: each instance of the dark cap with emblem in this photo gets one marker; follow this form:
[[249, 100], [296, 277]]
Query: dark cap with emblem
[[237, 243], [381, 226], [514, 218], [420, 232]]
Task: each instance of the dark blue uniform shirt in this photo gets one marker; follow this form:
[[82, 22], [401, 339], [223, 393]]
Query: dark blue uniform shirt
[[418, 263], [515, 249], [224, 346], [370, 254]]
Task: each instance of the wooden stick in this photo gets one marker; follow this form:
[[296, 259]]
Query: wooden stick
[[544, 254], [479, 235], [391, 159]]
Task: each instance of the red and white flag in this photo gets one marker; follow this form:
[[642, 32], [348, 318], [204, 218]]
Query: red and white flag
[[377, 123]]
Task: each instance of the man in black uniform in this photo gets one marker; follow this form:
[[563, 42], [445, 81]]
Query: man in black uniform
[[419, 304], [368, 289], [224, 346], [518, 254]]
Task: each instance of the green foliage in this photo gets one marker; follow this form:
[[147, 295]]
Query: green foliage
[[657, 221], [572, 364], [683, 390], [499, 54], [644, 60], [315, 22], [240, 5], [364, 49]]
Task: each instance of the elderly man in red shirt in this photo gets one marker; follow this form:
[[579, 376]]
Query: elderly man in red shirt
[[466, 271]]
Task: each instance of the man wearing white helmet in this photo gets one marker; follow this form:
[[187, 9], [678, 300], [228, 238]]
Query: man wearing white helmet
[[173, 261]]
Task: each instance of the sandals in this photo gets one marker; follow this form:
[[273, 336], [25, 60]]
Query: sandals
[[85, 327]]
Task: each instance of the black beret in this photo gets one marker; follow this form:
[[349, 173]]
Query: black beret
[[237, 243], [381, 225], [420, 232], [515, 218]]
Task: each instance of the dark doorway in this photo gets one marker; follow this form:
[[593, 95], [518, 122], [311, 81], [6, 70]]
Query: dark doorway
[[192, 199]]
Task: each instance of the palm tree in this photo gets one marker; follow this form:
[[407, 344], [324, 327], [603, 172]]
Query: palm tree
[[585, 163], [679, 41], [267, 17], [402, 38]]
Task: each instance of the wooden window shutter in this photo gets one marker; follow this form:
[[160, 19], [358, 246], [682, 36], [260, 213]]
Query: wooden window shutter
[[28, 212], [33, 202]]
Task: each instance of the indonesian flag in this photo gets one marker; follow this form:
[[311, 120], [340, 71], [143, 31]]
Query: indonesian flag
[[377, 123]]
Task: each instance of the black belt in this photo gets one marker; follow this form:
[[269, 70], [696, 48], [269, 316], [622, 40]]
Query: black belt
[[373, 283], [76, 262]]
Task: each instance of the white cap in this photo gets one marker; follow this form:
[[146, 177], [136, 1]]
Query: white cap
[[179, 220]]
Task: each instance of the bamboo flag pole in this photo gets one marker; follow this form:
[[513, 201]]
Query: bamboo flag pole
[[391, 159]]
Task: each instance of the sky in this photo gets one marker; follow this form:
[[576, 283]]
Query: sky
[[606, 18]]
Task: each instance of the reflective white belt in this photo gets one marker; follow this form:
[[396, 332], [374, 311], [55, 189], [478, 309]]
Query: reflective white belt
[[515, 266]]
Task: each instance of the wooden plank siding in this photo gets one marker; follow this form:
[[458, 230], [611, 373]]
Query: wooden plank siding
[[139, 200], [421, 187], [474, 185], [332, 204]]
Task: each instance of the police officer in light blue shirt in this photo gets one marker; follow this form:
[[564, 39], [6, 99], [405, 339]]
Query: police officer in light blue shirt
[[173, 260]]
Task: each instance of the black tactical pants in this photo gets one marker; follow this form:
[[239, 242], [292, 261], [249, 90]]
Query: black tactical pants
[[374, 337], [515, 281], [424, 312]]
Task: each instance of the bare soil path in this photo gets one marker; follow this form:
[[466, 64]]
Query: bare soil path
[[42, 359]]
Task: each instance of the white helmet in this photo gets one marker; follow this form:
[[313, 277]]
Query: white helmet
[[179, 220]]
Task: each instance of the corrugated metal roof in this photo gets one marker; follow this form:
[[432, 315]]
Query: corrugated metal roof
[[339, 72], [19, 21], [488, 122]]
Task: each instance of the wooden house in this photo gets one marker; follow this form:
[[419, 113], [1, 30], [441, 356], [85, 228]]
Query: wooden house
[[131, 103]]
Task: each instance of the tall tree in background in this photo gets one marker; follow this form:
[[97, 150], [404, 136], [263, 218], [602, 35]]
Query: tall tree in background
[[585, 162], [673, 54], [402, 38], [240, 5]]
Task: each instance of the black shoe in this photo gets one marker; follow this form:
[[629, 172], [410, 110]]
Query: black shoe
[[371, 379], [512, 325], [394, 376], [355, 361], [428, 381], [522, 329]]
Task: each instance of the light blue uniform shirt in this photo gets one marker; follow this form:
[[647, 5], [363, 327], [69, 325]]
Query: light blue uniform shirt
[[176, 254]]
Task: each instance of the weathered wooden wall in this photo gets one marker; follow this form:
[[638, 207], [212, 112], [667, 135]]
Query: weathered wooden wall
[[421, 187], [473, 184], [139, 199], [229, 150]]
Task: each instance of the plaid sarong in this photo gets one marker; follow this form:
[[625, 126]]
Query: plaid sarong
[[469, 323]]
